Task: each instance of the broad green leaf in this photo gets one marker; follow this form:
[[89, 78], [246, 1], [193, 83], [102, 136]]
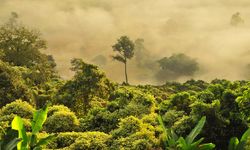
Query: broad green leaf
[[165, 138], [207, 146], [233, 143], [195, 144], [182, 143], [39, 118], [173, 134], [245, 135], [9, 135], [45, 141], [10, 139], [12, 144], [162, 125], [192, 135], [33, 140], [17, 124]]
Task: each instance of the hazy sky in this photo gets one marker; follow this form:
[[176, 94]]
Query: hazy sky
[[88, 28]]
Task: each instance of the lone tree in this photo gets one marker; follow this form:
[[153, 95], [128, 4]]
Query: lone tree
[[125, 48]]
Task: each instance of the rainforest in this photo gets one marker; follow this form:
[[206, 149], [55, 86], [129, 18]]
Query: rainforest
[[129, 94]]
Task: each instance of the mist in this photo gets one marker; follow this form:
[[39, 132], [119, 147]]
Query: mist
[[88, 28]]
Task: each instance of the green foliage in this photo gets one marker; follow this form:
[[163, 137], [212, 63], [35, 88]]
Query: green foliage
[[88, 82], [206, 96], [172, 141], [45, 93], [133, 134], [123, 102], [172, 116], [6, 121], [133, 101], [142, 140], [90, 141], [57, 108], [31, 142], [217, 90], [183, 125], [244, 104], [99, 119], [17, 124], [179, 102], [121, 116], [21, 46], [12, 85], [127, 126], [18, 107], [9, 140], [61, 119], [64, 139], [222, 123], [235, 144]]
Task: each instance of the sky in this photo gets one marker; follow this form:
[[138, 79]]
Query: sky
[[87, 29]]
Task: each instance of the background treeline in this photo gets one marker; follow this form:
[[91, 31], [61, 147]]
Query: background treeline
[[91, 112]]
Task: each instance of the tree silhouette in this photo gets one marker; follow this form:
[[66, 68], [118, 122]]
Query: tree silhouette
[[125, 49]]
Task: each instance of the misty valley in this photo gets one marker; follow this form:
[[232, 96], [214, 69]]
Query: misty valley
[[116, 89]]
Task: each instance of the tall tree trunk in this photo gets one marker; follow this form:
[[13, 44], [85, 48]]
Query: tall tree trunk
[[126, 75]]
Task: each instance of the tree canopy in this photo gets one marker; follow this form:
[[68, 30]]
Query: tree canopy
[[175, 66], [125, 48]]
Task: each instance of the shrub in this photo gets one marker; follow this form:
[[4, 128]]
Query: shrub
[[178, 102], [206, 96], [171, 116], [133, 134], [217, 90], [91, 141], [127, 126], [140, 140], [150, 119], [57, 108], [184, 125], [18, 107], [124, 102], [61, 121], [126, 95], [12, 84], [244, 103], [64, 139], [99, 119]]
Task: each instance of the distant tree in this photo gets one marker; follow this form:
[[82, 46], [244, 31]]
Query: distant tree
[[247, 71], [100, 60], [175, 66], [143, 57], [140, 54], [236, 19], [20, 46], [125, 48]]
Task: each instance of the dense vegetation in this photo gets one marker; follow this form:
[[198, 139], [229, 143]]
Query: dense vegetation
[[90, 112]]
